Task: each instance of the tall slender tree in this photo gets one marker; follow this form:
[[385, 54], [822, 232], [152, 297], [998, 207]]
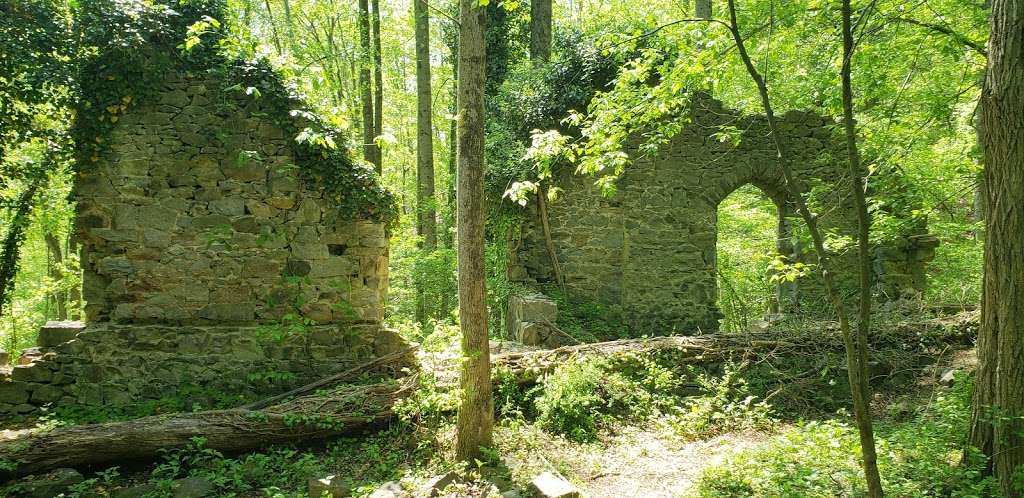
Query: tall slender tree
[[856, 368], [378, 87], [997, 422], [365, 85], [540, 30], [857, 174], [426, 222], [476, 411]]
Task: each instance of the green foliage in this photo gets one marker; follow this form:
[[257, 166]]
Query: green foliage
[[581, 397], [920, 457], [725, 405], [133, 45], [747, 225], [586, 321], [275, 470]]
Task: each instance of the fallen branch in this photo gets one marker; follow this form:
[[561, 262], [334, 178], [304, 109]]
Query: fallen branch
[[333, 379], [345, 410]]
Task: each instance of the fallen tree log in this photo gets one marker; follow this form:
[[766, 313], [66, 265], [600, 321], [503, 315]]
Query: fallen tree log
[[351, 409], [345, 410], [529, 366]]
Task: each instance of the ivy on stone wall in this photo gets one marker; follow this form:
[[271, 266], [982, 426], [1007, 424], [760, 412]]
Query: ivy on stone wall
[[129, 46]]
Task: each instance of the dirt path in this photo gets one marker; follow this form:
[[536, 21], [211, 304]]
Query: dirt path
[[641, 462]]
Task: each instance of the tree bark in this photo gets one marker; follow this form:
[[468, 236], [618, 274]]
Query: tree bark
[[999, 383], [273, 27], [347, 410], [476, 411], [11, 250], [426, 221], [702, 9], [378, 88], [365, 85], [540, 30], [864, 424], [860, 391], [55, 262]]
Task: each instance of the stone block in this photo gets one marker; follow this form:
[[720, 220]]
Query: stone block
[[228, 206], [309, 251], [46, 393], [49, 485], [548, 485], [54, 333], [13, 393], [335, 266], [35, 372], [241, 312], [533, 308], [327, 487]]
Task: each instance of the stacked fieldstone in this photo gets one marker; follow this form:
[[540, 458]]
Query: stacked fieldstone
[[208, 261], [648, 253], [197, 214]]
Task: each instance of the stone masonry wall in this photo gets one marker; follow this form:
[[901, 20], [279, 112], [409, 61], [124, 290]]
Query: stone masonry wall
[[208, 264], [648, 252], [107, 364], [197, 215]]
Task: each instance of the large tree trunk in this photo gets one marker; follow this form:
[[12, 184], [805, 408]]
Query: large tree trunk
[[999, 386], [856, 368], [365, 89], [347, 410], [476, 412], [540, 30], [426, 222], [11, 249], [378, 88]]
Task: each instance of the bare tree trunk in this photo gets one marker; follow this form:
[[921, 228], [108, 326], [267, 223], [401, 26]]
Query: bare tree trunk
[[289, 28], [702, 9], [273, 27], [56, 261], [75, 293], [862, 389], [365, 90], [540, 30], [858, 382], [378, 87], [426, 222], [476, 411], [11, 250], [1000, 379]]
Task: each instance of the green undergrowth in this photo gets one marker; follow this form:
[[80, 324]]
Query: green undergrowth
[[917, 458], [362, 463], [581, 399]]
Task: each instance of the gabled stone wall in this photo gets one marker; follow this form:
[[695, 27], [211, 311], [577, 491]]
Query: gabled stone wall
[[196, 214], [648, 253], [210, 265]]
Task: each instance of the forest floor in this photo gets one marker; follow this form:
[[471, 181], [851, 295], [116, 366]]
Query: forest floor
[[627, 456]]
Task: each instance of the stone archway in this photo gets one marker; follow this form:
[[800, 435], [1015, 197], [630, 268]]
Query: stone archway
[[647, 254]]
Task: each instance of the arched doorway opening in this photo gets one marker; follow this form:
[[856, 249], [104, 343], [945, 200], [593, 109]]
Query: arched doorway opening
[[751, 234]]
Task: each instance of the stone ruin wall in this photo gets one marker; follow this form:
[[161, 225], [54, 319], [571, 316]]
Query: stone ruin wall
[[648, 253], [198, 237]]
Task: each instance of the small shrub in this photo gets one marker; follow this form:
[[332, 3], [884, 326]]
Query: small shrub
[[918, 458], [580, 397], [727, 405]]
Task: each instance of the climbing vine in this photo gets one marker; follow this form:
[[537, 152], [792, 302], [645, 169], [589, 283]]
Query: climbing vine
[[130, 46]]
